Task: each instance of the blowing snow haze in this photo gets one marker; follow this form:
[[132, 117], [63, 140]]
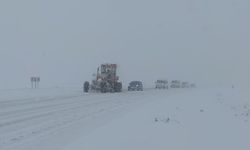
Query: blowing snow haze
[[64, 41]]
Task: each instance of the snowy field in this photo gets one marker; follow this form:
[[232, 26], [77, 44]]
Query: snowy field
[[67, 119]]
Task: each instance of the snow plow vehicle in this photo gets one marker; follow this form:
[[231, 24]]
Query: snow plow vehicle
[[105, 81]]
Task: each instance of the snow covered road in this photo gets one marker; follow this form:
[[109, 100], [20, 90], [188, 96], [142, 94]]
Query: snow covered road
[[54, 119], [33, 118]]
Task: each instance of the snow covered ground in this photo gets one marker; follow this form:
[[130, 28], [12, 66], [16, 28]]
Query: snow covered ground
[[204, 119], [67, 119]]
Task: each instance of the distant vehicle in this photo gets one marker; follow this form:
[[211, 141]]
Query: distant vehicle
[[175, 84], [192, 85], [135, 86], [161, 84], [185, 85]]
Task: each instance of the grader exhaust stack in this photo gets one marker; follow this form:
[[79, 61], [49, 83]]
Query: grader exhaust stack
[[106, 80]]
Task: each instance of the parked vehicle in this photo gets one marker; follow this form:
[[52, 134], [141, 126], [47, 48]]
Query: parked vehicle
[[161, 84], [135, 86]]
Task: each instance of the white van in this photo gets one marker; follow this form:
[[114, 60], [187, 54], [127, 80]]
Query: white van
[[161, 84]]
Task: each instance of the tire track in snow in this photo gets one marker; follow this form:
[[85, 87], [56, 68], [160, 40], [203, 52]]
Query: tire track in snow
[[31, 122]]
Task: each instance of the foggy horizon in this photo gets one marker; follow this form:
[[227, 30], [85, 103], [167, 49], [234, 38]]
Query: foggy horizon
[[63, 42]]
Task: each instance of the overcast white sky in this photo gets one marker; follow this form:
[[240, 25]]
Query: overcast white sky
[[63, 41]]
